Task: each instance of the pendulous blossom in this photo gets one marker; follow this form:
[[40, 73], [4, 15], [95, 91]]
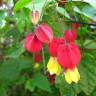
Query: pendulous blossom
[[44, 33], [69, 57], [34, 16], [53, 65], [32, 44]]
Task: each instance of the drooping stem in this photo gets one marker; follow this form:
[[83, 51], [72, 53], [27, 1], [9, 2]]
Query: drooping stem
[[44, 65]]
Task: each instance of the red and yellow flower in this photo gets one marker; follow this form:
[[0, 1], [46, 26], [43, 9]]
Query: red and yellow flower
[[69, 57], [53, 66]]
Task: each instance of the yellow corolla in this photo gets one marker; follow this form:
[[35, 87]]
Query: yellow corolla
[[53, 67], [72, 75]]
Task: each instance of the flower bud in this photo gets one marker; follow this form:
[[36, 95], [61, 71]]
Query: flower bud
[[34, 17]]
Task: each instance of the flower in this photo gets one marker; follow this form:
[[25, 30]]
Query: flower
[[34, 16], [68, 55], [44, 33], [53, 67], [72, 75], [32, 44], [70, 35]]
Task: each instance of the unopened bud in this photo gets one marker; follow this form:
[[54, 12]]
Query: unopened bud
[[34, 17]]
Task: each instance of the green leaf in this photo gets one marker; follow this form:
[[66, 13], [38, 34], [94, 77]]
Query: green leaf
[[17, 51], [63, 12], [29, 85], [20, 4], [87, 71], [11, 69], [90, 44], [86, 10], [91, 2], [38, 5], [41, 82]]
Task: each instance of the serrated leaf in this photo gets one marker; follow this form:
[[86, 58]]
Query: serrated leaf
[[41, 82], [88, 74], [20, 4]]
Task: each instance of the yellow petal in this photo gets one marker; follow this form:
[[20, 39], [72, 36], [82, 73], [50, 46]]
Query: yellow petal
[[74, 75], [53, 66], [67, 77]]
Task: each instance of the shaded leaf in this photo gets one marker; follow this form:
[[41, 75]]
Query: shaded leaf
[[41, 82]]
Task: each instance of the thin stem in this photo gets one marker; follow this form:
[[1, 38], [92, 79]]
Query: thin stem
[[44, 65]]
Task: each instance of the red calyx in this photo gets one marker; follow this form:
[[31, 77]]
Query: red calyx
[[75, 26], [53, 46], [32, 44], [44, 33], [68, 55], [38, 58], [70, 35]]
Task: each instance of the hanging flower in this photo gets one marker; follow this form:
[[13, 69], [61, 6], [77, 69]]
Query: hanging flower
[[72, 75], [34, 16], [70, 35], [37, 60], [53, 67], [68, 55], [44, 33], [32, 44]]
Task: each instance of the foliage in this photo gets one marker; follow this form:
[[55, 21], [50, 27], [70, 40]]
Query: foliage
[[18, 77]]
